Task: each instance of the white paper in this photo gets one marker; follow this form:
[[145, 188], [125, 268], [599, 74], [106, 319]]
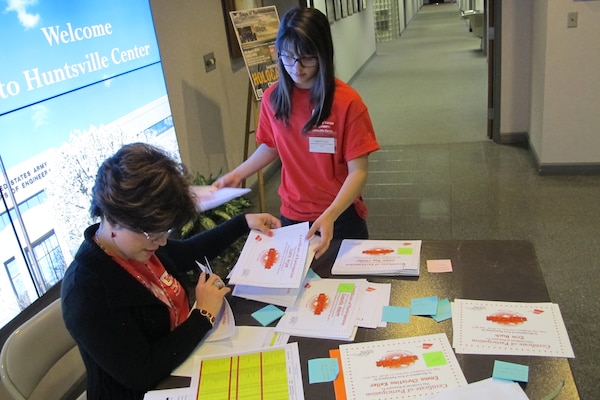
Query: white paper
[[327, 308], [407, 368], [245, 338], [370, 309], [509, 328], [488, 389], [285, 297], [210, 200], [378, 257], [277, 261], [224, 324]]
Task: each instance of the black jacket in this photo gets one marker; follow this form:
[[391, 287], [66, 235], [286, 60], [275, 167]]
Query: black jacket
[[121, 328]]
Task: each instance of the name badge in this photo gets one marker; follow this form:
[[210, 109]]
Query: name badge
[[318, 144]]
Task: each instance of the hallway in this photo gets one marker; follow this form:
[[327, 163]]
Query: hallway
[[438, 176]]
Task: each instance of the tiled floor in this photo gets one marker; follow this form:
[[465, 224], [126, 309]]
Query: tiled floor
[[471, 188]]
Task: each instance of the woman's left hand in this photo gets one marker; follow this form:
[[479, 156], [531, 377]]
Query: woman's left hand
[[263, 222]]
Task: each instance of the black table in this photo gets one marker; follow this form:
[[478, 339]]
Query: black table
[[499, 270]]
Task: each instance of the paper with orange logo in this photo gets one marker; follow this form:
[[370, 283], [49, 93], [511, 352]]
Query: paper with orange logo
[[406, 368], [326, 308], [509, 328], [378, 257], [277, 261]]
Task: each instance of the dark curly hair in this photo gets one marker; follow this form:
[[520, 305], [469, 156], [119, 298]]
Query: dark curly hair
[[142, 188]]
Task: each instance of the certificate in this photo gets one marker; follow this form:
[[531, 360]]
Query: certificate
[[277, 261], [327, 308], [407, 368], [378, 257], [509, 328]]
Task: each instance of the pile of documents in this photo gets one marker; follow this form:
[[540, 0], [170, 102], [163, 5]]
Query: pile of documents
[[378, 257], [276, 270], [272, 269]]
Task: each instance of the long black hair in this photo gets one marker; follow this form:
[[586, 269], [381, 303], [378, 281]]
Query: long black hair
[[305, 31]]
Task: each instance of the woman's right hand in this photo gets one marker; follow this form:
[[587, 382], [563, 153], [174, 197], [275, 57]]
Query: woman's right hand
[[209, 296], [228, 180]]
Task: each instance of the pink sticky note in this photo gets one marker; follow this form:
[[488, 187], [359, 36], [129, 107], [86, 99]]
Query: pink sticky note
[[437, 266]]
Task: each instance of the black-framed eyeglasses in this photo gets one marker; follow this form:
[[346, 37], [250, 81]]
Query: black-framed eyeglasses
[[306, 62], [154, 236]]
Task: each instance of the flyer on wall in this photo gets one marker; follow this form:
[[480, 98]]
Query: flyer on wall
[[509, 328], [407, 368], [256, 30]]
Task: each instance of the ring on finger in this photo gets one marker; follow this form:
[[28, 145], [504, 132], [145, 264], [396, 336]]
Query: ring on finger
[[219, 284]]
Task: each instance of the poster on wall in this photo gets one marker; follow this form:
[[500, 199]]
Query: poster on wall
[[256, 30], [77, 81]]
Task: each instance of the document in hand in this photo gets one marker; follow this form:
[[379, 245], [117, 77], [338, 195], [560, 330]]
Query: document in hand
[[407, 368], [327, 308], [378, 257], [220, 196], [277, 261], [285, 297]]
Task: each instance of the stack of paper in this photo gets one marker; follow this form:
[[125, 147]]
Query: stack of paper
[[509, 328], [378, 257], [326, 308], [335, 308], [278, 261]]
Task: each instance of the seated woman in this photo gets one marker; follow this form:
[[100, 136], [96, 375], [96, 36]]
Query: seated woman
[[123, 297]]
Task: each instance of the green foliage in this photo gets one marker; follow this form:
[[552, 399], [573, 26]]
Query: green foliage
[[208, 219]]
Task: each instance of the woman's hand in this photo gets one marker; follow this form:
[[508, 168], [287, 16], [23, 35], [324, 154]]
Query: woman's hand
[[323, 225], [201, 192], [210, 293], [228, 180], [263, 222]]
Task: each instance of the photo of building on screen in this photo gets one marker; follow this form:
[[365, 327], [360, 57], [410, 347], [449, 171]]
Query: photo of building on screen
[[81, 82]]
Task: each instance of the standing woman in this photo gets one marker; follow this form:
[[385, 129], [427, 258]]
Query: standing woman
[[123, 297], [319, 128]]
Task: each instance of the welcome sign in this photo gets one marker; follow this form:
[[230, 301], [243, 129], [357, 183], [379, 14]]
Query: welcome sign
[[54, 47]]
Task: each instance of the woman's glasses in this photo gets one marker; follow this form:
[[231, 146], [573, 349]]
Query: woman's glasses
[[306, 62], [154, 236]]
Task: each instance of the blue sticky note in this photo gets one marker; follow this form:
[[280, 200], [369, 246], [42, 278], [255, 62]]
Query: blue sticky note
[[444, 311], [396, 314], [323, 370], [510, 371], [424, 306], [267, 314]]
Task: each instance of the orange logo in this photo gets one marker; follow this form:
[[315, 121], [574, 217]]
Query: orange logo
[[377, 251], [270, 258], [397, 360], [320, 303], [506, 318]]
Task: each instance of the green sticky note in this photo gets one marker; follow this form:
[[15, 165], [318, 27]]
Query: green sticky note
[[405, 250], [434, 359], [346, 287]]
